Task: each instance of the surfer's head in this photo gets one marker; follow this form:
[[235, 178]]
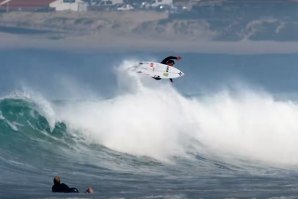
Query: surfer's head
[[170, 62], [56, 180]]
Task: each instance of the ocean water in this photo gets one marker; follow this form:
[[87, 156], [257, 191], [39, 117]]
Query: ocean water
[[227, 129]]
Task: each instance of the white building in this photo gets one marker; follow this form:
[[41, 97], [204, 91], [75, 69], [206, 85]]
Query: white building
[[156, 3], [74, 5], [111, 2]]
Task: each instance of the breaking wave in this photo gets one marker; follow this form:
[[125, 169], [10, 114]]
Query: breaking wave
[[150, 118]]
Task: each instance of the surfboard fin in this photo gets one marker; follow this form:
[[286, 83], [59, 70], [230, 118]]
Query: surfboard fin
[[156, 78]]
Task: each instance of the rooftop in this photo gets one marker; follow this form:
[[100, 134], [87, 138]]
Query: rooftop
[[25, 3]]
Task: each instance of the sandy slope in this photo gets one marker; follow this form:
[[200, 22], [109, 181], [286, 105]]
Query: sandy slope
[[122, 31]]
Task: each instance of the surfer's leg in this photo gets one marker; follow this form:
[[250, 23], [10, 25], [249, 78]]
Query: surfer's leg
[[171, 80]]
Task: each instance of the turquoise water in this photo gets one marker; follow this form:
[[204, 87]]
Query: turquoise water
[[227, 129]]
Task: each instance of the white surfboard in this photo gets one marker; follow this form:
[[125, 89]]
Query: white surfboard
[[157, 70]]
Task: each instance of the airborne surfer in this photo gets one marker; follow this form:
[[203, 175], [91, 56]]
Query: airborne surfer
[[163, 70], [170, 62]]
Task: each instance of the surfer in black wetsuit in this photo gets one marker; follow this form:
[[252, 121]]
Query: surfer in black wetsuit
[[63, 188], [170, 62]]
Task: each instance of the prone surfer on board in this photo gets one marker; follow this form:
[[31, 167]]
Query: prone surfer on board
[[61, 187], [170, 62]]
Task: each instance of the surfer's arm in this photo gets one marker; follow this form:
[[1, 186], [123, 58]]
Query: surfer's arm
[[169, 58]]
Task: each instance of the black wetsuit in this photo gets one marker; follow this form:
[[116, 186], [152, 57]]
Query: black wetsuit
[[167, 59], [64, 188]]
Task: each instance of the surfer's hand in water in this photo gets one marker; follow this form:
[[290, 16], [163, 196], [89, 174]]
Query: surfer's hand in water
[[178, 57], [89, 190]]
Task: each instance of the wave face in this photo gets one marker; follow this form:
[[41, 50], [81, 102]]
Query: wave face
[[150, 141]]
